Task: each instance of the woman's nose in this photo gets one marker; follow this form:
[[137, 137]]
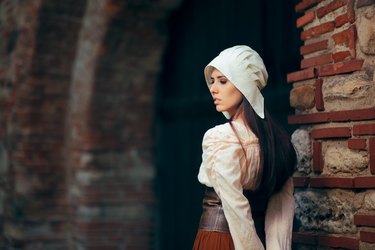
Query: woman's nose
[[213, 88]]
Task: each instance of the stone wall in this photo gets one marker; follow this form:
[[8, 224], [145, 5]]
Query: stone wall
[[334, 99]]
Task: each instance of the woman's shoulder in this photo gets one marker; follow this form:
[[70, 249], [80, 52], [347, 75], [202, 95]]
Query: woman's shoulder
[[225, 133], [222, 132]]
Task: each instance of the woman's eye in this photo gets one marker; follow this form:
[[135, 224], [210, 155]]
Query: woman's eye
[[223, 81]]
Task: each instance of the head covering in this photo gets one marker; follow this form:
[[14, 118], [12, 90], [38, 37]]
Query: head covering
[[245, 69]]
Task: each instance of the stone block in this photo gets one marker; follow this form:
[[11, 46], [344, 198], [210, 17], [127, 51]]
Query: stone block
[[302, 143], [366, 31], [348, 92], [330, 211], [339, 160], [369, 200], [302, 97]]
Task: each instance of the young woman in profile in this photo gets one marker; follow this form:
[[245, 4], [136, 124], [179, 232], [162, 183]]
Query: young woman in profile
[[247, 163]]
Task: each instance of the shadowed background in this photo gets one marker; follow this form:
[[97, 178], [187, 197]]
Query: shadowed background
[[103, 106]]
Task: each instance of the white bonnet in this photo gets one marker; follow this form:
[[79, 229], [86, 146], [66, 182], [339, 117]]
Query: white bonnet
[[245, 69]]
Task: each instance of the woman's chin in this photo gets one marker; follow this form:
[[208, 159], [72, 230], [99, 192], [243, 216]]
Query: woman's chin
[[218, 109]]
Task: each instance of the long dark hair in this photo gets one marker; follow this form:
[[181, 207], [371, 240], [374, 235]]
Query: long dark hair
[[277, 154]]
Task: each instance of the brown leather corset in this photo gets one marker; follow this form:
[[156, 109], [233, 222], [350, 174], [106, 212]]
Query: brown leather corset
[[213, 218]]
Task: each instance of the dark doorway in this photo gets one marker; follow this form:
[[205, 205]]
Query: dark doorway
[[199, 30]]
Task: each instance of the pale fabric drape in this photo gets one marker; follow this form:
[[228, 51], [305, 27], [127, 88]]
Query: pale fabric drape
[[225, 168]]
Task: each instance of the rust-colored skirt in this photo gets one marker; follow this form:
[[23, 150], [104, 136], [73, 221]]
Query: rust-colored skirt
[[212, 240]]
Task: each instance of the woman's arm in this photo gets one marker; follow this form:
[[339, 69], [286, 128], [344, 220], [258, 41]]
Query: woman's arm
[[221, 162], [279, 218]]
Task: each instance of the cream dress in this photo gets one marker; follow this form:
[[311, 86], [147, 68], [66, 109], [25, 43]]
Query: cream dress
[[224, 168]]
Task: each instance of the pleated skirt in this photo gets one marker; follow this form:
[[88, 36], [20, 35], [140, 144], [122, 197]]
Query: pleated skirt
[[212, 240]]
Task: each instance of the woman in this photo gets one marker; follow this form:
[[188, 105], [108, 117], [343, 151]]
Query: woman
[[247, 163]]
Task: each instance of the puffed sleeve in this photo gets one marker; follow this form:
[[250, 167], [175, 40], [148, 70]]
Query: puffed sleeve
[[221, 161], [279, 218]]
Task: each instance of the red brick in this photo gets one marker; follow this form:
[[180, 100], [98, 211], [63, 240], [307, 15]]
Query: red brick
[[318, 30], [334, 5], [301, 75], [305, 238], [338, 132], [364, 182], [359, 144], [319, 103], [305, 4], [336, 116], [338, 242], [305, 19], [313, 47], [367, 236], [372, 154], [352, 115], [364, 220], [316, 60], [301, 181], [347, 37], [348, 17], [364, 129], [308, 118], [332, 182], [350, 12], [318, 162], [341, 20], [340, 68], [340, 56]]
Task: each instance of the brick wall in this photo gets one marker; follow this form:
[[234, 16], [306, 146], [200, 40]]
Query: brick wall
[[37, 48], [76, 98], [334, 97]]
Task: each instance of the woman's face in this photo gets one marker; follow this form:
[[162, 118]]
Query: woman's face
[[226, 96]]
